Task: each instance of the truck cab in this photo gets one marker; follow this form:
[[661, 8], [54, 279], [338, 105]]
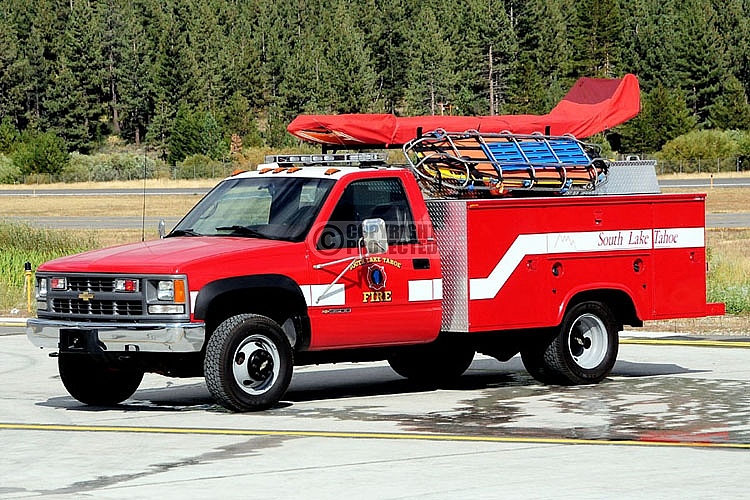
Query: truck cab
[[281, 250]]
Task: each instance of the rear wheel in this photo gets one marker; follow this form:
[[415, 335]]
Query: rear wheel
[[584, 350], [249, 363], [95, 382], [434, 363], [533, 361]]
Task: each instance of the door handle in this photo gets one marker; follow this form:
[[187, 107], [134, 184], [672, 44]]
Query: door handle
[[421, 264]]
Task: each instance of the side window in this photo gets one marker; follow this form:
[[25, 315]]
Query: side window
[[381, 198]]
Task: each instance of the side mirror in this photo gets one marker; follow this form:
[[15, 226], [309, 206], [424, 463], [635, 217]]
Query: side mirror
[[375, 236], [162, 228]]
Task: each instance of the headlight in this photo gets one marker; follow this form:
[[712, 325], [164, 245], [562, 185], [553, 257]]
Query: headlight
[[167, 296], [165, 291], [171, 291]]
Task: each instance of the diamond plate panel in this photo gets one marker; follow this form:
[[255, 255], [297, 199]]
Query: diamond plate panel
[[627, 177], [631, 177], [449, 219]]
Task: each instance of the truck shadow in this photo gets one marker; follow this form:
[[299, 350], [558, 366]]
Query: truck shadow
[[353, 381]]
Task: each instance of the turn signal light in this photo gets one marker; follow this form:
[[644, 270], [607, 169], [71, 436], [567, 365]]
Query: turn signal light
[[179, 291]]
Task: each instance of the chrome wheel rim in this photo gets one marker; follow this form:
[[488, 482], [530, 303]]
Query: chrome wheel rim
[[256, 364], [588, 341]]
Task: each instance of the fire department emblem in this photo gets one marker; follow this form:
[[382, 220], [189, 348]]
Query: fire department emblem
[[376, 277]]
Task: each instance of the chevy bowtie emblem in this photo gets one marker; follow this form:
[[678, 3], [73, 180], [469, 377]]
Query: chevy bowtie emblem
[[85, 296]]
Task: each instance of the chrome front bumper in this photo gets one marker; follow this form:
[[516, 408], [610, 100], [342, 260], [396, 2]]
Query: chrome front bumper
[[125, 337]]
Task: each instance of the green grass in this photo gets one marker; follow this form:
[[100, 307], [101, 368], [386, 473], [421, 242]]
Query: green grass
[[736, 297], [729, 269], [21, 243]]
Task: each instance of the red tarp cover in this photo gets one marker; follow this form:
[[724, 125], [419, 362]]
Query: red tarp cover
[[591, 106]]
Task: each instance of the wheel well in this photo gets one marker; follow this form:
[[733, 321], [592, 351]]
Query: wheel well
[[278, 304], [618, 301]]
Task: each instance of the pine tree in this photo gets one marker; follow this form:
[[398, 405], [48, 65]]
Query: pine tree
[[731, 110], [545, 59], [734, 26], [597, 29], [701, 57], [128, 56], [274, 33], [664, 116], [43, 22], [347, 76], [73, 100], [212, 143], [385, 26], [300, 87], [650, 42], [430, 75], [205, 44], [488, 49], [13, 68], [173, 75], [83, 69], [185, 136], [240, 56], [8, 135]]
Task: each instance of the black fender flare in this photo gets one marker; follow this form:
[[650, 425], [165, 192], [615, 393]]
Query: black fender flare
[[294, 301], [218, 287]]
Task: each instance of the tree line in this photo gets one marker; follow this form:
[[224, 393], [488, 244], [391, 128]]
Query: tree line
[[183, 76]]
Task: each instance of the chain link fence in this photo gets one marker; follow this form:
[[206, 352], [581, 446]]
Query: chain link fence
[[700, 165]]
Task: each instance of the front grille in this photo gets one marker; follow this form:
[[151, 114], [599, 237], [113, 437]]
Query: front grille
[[97, 307], [91, 284], [92, 298]]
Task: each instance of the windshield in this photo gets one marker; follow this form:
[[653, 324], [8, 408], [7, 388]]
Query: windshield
[[279, 208]]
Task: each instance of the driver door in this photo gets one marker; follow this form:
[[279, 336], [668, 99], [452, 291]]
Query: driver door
[[360, 299]]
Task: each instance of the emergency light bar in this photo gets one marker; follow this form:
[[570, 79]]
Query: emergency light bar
[[328, 158]]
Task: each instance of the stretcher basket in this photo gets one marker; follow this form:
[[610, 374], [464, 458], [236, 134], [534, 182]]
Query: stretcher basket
[[471, 162]]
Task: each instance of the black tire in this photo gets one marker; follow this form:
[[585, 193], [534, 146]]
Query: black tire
[[248, 363], [435, 363], [584, 350], [533, 361], [95, 382]]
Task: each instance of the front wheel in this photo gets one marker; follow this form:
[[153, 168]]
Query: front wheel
[[95, 382], [584, 350], [249, 363]]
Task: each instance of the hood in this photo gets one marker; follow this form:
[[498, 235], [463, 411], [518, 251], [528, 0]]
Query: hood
[[165, 256]]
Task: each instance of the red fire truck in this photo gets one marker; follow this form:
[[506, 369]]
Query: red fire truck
[[468, 248]]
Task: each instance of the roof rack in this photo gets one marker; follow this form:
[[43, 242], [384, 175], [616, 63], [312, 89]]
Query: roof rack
[[465, 162], [329, 159]]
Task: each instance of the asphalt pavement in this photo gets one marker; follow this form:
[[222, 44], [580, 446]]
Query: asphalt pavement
[[670, 422], [705, 182]]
